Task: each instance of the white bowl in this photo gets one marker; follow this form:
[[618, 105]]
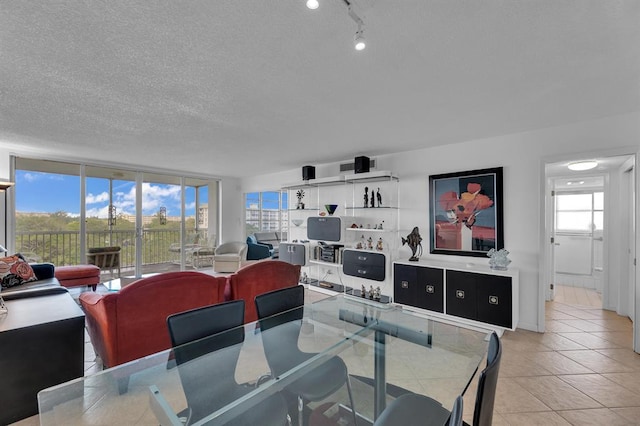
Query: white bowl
[[297, 222]]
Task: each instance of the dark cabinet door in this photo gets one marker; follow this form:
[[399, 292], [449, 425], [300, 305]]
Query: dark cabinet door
[[494, 299], [461, 294], [364, 265], [430, 289], [405, 284]]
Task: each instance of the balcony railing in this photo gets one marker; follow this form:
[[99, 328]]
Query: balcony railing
[[63, 247]]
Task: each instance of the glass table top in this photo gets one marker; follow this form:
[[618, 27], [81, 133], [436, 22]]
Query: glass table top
[[387, 351]]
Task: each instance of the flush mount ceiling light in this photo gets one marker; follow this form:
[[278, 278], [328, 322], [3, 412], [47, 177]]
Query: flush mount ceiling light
[[359, 42], [582, 165]]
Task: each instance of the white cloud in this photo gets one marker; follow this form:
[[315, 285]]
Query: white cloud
[[100, 212], [153, 197], [31, 177], [100, 198]]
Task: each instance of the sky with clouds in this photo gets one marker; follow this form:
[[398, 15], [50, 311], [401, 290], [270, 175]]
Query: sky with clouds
[[49, 193]]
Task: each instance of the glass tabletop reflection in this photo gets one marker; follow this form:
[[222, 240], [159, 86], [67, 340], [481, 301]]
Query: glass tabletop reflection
[[387, 351]]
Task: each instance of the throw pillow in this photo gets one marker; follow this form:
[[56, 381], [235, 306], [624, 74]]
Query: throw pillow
[[15, 271]]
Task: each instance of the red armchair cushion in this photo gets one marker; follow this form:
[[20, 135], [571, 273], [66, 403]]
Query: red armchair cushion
[[132, 323], [257, 278]]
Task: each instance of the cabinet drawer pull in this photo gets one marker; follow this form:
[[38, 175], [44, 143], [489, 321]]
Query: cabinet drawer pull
[[362, 271], [404, 284], [493, 300], [460, 294], [362, 257], [431, 289]]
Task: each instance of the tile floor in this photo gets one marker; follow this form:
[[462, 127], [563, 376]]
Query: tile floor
[[582, 371]]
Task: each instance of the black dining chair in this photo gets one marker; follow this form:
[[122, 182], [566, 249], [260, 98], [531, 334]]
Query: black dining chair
[[413, 409], [409, 410], [283, 309], [210, 386]]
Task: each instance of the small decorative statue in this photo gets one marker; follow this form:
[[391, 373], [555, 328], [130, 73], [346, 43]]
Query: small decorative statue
[[413, 240], [373, 199], [379, 198], [379, 246], [370, 243], [499, 260], [376, 293], [371, 290], [366, 196], [300, 195], [363, 291]]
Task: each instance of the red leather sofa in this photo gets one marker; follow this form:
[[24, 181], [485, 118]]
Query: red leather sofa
[[257, 278], [132, 323]]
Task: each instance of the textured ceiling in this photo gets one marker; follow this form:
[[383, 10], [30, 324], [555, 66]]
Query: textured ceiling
[[244, 87]]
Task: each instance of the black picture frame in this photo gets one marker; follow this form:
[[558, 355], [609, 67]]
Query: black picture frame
[[466, 212]]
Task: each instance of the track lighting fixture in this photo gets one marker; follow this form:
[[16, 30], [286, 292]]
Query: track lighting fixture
[[359, 40]]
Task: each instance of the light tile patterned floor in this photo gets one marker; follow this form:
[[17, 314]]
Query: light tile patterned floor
[[582, 371]]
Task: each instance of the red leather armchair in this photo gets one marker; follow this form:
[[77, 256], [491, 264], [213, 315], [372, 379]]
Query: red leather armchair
[[257, 278], [132, 323]]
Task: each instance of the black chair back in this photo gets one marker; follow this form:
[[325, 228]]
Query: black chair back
[[487, 383], [283, 309], [202, 331]]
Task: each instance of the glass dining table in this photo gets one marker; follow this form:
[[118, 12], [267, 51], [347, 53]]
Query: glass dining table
[[388, 351]]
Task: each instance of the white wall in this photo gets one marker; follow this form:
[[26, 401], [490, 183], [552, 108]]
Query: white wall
[[231, 211], [521, 156]]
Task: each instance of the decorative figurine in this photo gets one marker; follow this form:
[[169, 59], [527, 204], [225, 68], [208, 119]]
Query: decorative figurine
[[370, 243], [363, 291], [300, 195], [379, 246], [499, 260], [376, 293], [413, 241], [380, 226], [379, 198], [371, 292], [373, 199], [366, 196], [363, 242]]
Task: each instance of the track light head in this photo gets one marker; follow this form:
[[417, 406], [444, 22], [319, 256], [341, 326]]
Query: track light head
[[313, 4], [359, 42]]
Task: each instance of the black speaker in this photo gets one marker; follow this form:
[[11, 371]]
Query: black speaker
[[361, 165], [308, 172]]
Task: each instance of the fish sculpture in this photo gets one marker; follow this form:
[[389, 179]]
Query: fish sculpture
[[413, 241]]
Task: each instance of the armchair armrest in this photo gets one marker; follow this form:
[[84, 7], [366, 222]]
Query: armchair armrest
[[100, 316], [257, 251], [43, 270]]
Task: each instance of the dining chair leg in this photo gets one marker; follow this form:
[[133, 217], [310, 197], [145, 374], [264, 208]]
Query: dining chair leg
[[300, 411], [353, 407]]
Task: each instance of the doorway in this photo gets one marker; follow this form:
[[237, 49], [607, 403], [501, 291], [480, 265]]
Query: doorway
[[589, 238], [578, 234]]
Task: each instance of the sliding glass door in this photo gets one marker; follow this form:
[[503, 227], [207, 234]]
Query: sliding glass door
[[65, 211]]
